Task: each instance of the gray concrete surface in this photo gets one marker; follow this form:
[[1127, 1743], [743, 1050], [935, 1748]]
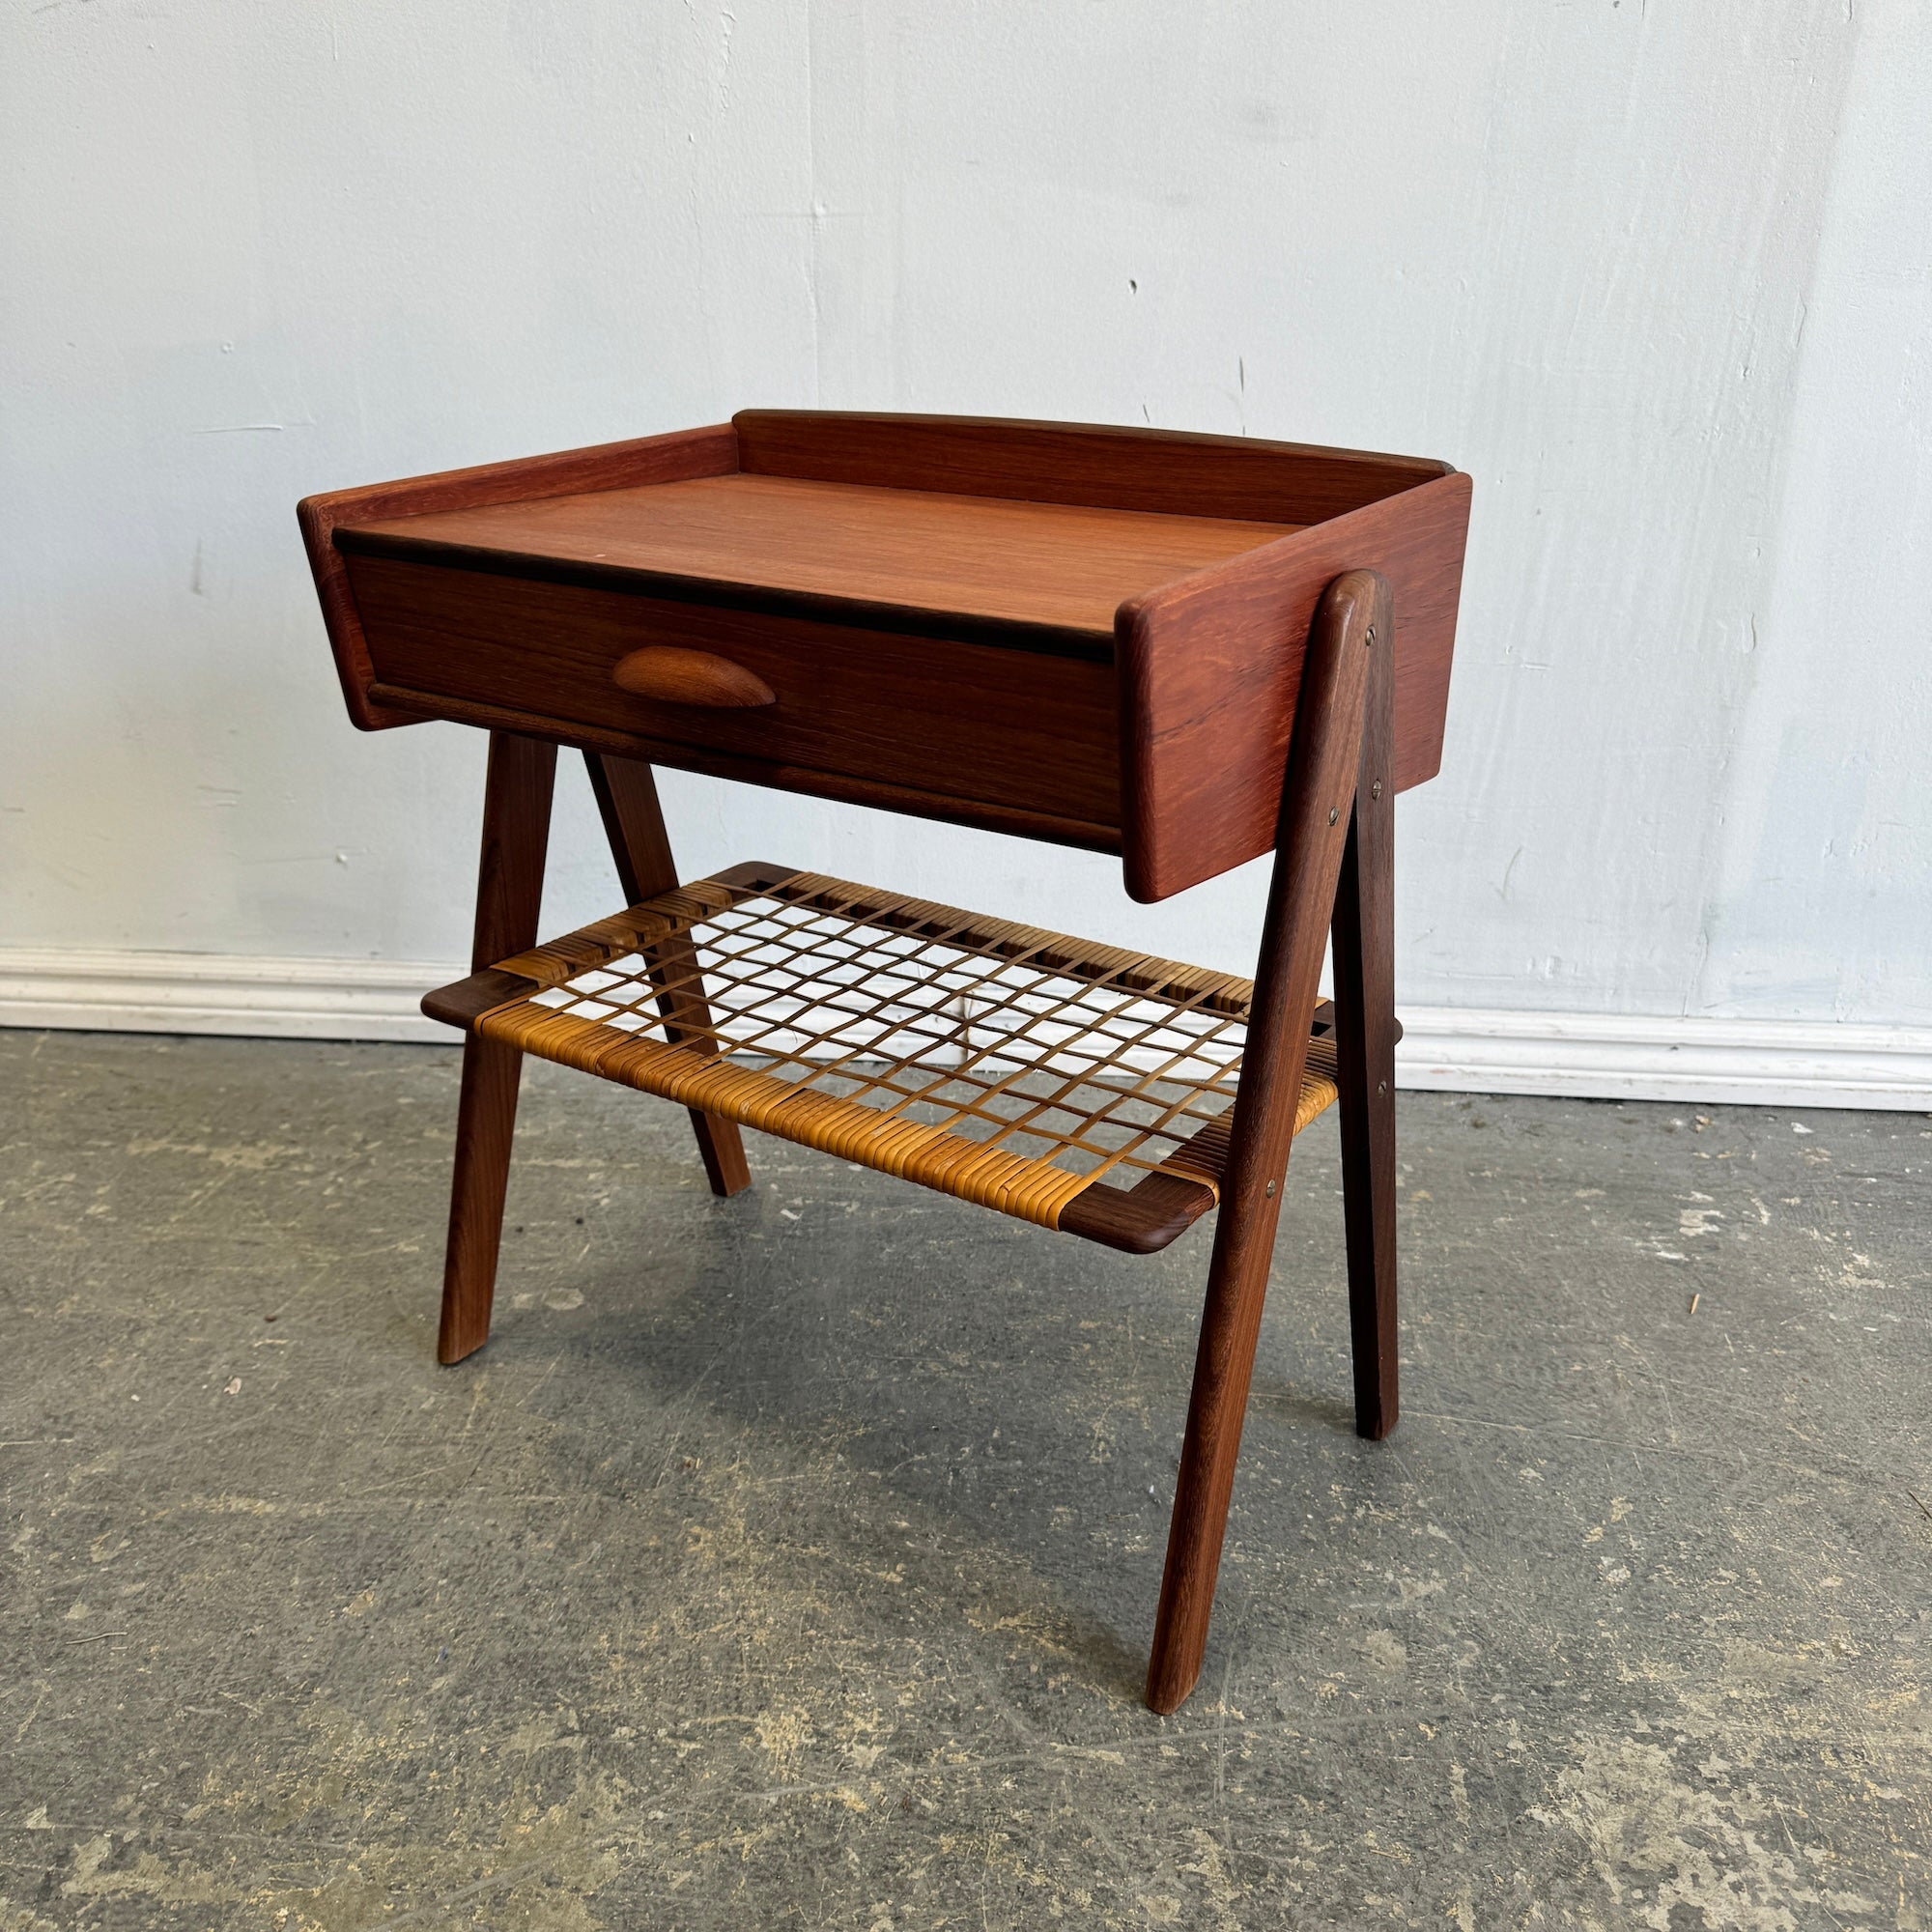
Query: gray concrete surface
[[791, 1561]]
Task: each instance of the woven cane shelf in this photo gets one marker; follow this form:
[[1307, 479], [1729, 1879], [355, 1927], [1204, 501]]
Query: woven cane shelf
[[1082, 1087]]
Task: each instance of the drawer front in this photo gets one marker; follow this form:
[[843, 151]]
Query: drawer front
[[1011, 727]]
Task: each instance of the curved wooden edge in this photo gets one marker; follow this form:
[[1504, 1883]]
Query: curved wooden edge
[[1138, 1220], [756, 875], [1211, 670], [465, 1001], [1105, 465], [1161, 1207], [671, 675], [711, 451]]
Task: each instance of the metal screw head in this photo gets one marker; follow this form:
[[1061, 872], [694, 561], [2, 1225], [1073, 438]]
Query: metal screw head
[[1382, 1086], [1369, 636], [1334, 812], [1375, 789], [1271, 1190]]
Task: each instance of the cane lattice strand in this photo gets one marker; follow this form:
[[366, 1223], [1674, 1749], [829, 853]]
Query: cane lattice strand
[[996, 1062]]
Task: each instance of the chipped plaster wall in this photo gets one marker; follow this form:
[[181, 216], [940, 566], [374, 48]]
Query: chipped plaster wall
[[1657, 276]]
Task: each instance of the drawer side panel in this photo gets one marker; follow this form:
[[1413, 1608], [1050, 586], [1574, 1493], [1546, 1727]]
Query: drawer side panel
[[1211, 670]]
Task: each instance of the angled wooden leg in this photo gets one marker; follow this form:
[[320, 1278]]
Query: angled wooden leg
[[1323, 762], [627, 797], [1365, 1037], [509, 898]]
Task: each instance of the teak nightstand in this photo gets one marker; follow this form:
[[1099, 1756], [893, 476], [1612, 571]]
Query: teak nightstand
[[1186, 649]]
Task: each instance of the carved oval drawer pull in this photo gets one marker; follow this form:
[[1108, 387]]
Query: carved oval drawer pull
[[672, 676]]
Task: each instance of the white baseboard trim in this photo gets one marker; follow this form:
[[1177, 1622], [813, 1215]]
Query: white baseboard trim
[[212, 993], [1637, 1057], [1456, 1049]]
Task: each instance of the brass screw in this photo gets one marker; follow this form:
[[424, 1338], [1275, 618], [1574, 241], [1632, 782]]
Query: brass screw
[[1370, 636], [1375, 789], [1271, 1190], [1334, 812]]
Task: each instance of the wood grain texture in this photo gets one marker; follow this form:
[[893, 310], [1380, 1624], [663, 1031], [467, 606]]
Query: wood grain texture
[[1152, 1214], [627, 800], [462, 1000], [983, 816], [828, 554], [957, 565], [1166, 471], [1314, 827], [1210, 668], [509, 898], [1021, 730], [1160, 1207], [1365, 1037], [652, 459], [669, 675]]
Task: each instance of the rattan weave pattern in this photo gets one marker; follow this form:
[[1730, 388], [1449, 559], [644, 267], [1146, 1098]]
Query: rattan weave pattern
[[996, 1062]]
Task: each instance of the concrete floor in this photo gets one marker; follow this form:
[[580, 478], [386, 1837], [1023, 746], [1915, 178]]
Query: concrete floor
[[791, 1561]]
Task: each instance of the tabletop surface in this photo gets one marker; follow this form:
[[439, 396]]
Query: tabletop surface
[[1060, 564]]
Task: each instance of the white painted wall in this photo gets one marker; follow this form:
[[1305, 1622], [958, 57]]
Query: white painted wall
[[1658, 274]]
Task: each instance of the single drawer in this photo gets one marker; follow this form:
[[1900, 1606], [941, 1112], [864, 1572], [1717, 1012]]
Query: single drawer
[[1026, 731]]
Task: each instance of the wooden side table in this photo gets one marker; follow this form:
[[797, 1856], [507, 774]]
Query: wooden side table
[[1186, 649]]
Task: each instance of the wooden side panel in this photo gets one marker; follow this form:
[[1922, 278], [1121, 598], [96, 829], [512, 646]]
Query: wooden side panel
[[1211, 670], [1010, 728], [610, 465], [1108, 468]]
